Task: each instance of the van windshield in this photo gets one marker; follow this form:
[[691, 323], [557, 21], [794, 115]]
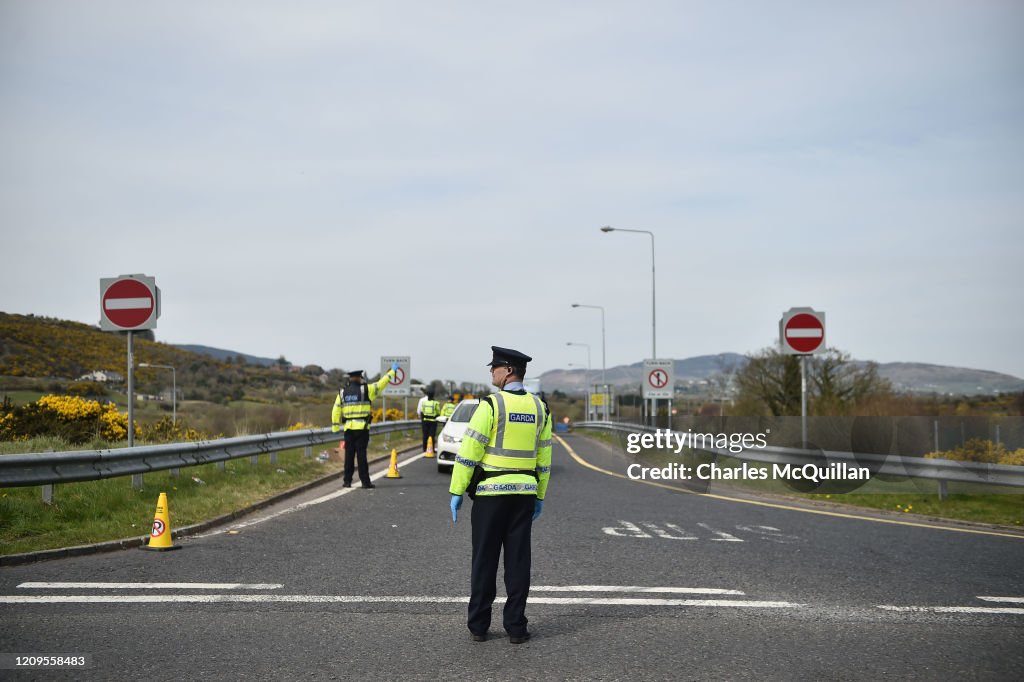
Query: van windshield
[[464, 412]]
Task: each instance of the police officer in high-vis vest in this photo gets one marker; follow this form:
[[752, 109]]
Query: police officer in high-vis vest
[[429, 410], [504, 462], [352, 408], [448, 409]]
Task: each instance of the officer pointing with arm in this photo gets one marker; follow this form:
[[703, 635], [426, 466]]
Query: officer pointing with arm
[[504, 463], [353, 408]]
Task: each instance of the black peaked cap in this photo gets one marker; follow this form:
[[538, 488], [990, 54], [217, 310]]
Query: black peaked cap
[[507, 356]]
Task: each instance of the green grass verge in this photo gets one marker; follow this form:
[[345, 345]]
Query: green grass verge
[[965, 501], [110, 509]]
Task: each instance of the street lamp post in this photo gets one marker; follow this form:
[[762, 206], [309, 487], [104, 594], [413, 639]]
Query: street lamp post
[[174, 390], [654, 334], [587, 346], [604, 365]]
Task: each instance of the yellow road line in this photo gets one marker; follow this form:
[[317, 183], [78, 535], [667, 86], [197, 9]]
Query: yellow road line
[[821, 512]]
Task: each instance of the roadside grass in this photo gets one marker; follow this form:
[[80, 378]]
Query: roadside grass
[[110, 509], [971, 502], [22, 397]]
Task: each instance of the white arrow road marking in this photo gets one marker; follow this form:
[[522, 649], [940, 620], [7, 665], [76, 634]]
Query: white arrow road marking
[[324, 498], [150, 586]]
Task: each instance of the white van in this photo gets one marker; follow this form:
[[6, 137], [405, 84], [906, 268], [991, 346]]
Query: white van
[[450, 438]]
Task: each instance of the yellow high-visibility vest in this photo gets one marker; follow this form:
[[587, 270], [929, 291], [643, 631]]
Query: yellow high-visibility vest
[[513, 436]]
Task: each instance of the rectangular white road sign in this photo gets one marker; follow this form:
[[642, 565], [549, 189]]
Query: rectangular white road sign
[[659, 379], [400, 384]]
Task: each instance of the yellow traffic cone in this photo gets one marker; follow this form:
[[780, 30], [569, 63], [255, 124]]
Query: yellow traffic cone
[[160, 536], [393, 469], [429, 454]]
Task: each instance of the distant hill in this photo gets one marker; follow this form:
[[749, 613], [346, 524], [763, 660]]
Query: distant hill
[[918, 377], [60, 351], [905, 376], [221, 354]]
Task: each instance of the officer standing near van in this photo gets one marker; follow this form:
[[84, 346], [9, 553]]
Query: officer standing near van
[[353, 408], [504, 462]]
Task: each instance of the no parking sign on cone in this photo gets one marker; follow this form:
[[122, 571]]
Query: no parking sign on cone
[[160, 536]]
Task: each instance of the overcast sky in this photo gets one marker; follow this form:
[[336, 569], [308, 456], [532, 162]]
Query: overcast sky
[[336, 181]]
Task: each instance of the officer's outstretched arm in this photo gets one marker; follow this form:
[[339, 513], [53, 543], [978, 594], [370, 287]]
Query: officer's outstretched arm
[[381, 384]]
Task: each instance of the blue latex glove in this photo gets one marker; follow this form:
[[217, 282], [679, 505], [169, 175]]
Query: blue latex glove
[[456, 505], [538, 507], [394, 366]]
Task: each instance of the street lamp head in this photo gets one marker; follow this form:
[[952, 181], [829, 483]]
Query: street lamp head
[[575, 305], [607, 228], [143, 364]]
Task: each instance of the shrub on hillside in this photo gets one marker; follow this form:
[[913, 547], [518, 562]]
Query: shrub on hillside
[[71, 418]]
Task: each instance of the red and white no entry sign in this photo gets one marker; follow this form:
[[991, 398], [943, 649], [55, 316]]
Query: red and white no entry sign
[[129, 302], [802, 331]]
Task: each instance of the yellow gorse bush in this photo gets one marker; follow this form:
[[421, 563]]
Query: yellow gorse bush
[[113, 425], [394, 415], [981, 450]]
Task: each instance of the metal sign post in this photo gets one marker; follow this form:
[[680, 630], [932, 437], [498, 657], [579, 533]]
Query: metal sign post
[[802, 332], [129, 303]]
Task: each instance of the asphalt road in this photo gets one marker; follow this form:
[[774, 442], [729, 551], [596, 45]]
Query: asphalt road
[[631, 581]]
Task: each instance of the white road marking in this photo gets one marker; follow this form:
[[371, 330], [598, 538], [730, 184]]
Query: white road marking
[[683, 535], [722, 535], [630, 588], [1008, 600], [150, 586], [323, 498], [952, 609], [347, 599]]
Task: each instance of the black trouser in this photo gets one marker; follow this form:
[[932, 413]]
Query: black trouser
[[500, 521], [429, 431], [356, 441]]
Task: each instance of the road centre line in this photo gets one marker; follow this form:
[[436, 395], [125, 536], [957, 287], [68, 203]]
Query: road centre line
[[856, 517], [149, 586], [630, 588], [349, 599], [299, 507]]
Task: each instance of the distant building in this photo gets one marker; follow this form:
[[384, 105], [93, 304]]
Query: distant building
[[103, 376]]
